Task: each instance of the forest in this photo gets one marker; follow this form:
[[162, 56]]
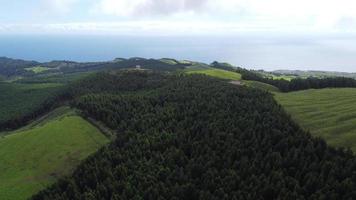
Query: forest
[[196, 137], [21, 103]]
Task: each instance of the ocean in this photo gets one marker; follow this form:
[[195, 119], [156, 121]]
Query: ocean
[[249, 51]]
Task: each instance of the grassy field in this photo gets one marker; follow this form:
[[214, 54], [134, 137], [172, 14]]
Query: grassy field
[[35, 156], [228, 75], [54, 78], [19, 99], [277, 77], [327, 113], [285, 77], [260, 85], [37, 69], [218, 73]]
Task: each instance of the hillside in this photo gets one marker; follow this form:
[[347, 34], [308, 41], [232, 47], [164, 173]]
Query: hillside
[[14, 69], [327, 113], [218, 73], [182, 131], [226, 72], [35, 156], [195, 137], [20, 102]]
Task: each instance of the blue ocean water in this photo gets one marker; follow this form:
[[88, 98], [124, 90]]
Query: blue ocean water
[[257, 52]]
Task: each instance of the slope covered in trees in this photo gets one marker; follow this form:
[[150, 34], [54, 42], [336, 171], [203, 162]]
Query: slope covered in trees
[[21, 103], [195, 137]]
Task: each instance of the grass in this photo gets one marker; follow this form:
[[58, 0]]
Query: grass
[[37, 69], [228, 75], [278, 77], [285, 77], [260, 85], [168, 61], [327, 113], [218, 73], [36, 156], [55, 78]]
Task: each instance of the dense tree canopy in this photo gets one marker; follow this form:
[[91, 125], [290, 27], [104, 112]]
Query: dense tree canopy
[[21, 103], [195, 137]]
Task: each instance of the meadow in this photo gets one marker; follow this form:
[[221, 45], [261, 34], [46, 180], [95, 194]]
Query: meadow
[[35, 156], [218, 73], [277, 76], [233, 76], [327, 113], [37, 69], [260, 85]]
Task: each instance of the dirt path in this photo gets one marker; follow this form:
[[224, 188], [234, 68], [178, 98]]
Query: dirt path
[[236, 83]]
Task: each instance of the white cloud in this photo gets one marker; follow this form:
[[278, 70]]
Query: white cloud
[[159, 27], [144, 8], [186, 16], [58, 6], [318, 14]]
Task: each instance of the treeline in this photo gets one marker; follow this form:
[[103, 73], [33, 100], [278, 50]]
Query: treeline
[[195, 137], [25, 118], [292, 85], [303, 84], [40, 101], [33, 109]]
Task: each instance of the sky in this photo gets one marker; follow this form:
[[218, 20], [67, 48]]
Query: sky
[[325, 28], [177, 17]]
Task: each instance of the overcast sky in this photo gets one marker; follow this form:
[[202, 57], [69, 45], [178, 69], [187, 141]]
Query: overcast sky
[[294, 34], [178, 16]]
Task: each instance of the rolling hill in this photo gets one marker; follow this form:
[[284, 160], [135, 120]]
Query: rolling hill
[[178, 136], [327, 113], [35, 156], [218, 73], [13, 69], [230, 75], [198, 137]]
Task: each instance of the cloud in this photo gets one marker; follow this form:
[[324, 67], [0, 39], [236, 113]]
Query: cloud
[[145, 27], [134, 8], [317, 13], [215, 16], [58, 6]]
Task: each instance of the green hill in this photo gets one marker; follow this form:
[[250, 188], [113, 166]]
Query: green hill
[[218, 73], [328, 113], [196, 137], [260, 85], [36, 156], [230, 75]]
